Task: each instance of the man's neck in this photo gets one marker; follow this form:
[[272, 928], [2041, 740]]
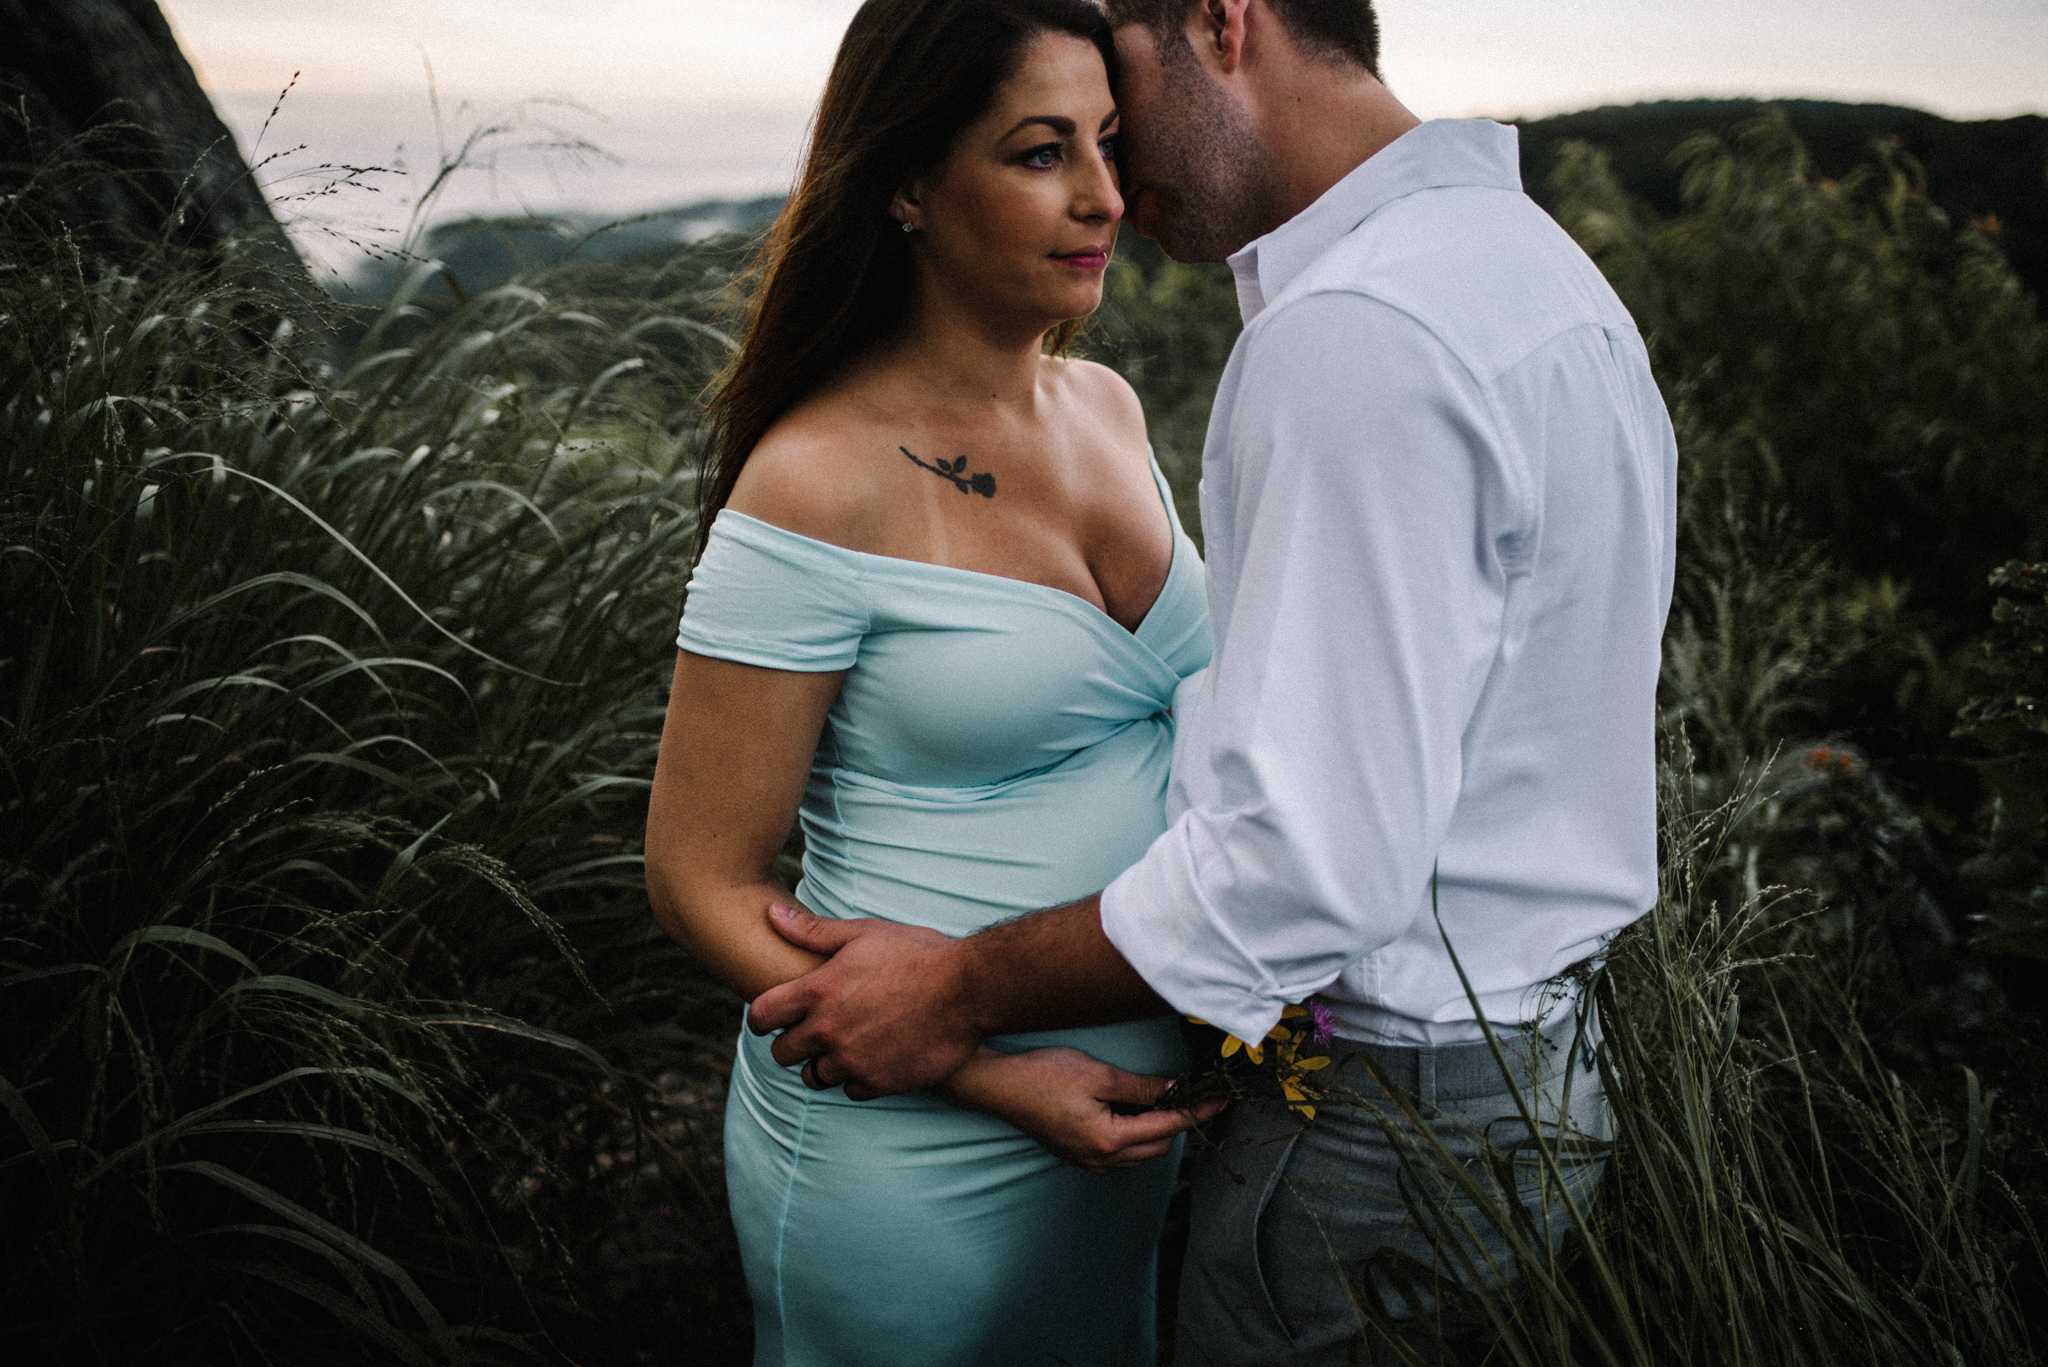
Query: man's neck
[[1318, 120]]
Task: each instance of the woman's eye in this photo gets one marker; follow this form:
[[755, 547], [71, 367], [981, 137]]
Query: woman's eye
[[1109, 148], [1042, 158]]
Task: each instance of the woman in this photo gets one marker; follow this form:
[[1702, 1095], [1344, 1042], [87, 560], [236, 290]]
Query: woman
[[939, 617]]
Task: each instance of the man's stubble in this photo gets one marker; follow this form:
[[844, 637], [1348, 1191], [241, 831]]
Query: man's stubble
[[1202, 164]]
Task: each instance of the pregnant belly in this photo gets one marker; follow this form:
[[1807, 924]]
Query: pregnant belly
[[957, 859]]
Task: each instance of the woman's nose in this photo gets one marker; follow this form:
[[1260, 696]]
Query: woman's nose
[[1097, 198]]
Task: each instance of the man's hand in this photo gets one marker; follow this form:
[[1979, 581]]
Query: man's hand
[[1064, 1099], [899, 1008], [886, 1013]]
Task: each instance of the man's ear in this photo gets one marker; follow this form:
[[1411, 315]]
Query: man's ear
[[1217, 31]]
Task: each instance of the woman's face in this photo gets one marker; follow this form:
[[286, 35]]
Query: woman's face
[[1017, 225]]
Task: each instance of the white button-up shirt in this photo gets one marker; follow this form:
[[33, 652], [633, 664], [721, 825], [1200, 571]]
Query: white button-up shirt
[[1438, 492]]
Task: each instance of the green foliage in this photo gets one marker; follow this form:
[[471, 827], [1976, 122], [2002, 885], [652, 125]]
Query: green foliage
[[1168, 329], [327, 707], [1987, 171], [1750, 631], [1844, 352], [2011, 726]]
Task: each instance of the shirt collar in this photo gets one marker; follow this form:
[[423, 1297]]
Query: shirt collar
[[1442, 152]]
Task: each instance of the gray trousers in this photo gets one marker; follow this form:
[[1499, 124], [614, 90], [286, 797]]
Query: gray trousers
[[1360, 1236]]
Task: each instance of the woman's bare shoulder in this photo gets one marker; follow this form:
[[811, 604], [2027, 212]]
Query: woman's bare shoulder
[[813, 474], [1104, 399]]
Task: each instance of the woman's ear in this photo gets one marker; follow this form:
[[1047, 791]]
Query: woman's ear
[[907, 208]]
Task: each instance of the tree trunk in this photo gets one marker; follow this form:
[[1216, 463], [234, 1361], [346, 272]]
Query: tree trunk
[[105, 118]]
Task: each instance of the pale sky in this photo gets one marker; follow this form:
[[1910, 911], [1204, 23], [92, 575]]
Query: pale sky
[[695, 99], [1970, 58]]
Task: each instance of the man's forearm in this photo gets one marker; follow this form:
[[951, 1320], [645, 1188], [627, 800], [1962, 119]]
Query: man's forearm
[[1052, 970], [899, 1008]]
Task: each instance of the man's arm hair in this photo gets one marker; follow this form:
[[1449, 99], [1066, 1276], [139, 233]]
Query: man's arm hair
[[1052, 970]]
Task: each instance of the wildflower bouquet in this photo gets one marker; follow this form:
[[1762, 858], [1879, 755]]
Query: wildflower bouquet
[[1289, 1053]]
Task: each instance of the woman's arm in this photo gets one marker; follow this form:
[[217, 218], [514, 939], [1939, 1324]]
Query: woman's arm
[[736, 751]]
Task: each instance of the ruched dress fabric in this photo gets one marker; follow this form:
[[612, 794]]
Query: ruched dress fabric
[[998, 747]]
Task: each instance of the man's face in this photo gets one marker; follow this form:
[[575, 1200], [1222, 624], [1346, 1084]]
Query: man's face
[[1189, 155]]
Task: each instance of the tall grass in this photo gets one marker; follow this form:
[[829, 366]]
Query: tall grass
[[326, 710], [1773, 1193], [1777, 1194]]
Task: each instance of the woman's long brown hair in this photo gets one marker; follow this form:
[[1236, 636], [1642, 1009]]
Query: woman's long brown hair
[[834, 274]]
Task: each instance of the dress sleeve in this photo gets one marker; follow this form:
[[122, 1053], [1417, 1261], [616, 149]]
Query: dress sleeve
[[768, 597]]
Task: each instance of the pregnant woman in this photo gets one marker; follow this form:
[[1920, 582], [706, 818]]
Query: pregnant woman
[[939, 619]]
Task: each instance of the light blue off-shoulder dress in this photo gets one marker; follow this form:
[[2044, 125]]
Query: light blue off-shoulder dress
[[998, 747]]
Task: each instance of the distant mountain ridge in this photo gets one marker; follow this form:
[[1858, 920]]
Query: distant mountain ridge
[[484, 252], [1992, 171]]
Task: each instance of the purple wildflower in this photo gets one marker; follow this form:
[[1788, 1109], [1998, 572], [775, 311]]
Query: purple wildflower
[[1321, 1024]]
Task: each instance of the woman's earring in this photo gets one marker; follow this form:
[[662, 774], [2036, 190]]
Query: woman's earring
[[908, 228]]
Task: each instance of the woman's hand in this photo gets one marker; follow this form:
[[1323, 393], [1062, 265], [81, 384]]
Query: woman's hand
[[1064, 1099]]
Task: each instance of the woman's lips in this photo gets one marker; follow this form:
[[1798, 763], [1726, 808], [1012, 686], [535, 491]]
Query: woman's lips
[[1087, 259]]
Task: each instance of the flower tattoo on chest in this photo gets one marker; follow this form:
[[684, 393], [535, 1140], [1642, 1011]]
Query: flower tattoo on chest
[[982, 483]]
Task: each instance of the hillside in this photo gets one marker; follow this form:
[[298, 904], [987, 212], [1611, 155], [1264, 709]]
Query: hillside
[[1992, 171], [484, 252]]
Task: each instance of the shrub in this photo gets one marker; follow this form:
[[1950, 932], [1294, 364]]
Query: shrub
[[2010, 725]]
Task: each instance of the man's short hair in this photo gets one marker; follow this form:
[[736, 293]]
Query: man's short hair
[[1344, 29]]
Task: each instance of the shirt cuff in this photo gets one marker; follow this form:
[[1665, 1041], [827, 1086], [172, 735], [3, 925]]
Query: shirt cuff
[[1155, 915]]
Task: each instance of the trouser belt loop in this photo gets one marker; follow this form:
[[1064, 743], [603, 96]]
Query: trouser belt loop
[[1425, 1074]]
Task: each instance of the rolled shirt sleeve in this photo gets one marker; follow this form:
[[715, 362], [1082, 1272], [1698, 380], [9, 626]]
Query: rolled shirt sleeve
[[1365, 517]]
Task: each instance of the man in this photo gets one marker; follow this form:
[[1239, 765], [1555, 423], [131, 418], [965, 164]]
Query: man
[[1438, 498]]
